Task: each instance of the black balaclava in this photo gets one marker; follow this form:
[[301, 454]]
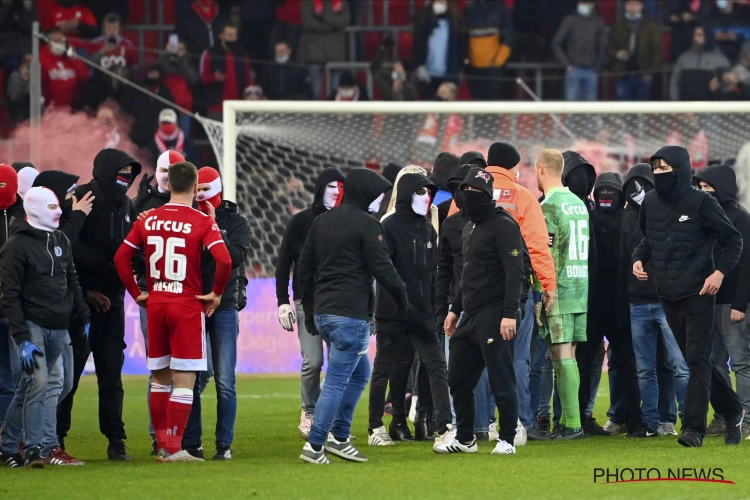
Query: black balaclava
[[665, 183], [479, 206], [454, 184], [608, 202], [61, 183], [636, 191], [578, 183]]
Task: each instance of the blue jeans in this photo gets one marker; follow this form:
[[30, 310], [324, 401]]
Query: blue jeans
[[223, 330], [59, 385], [647, 321], [25, 418], [633, 88], [7, 386], [348, 373], [581, 84], [522, 364]]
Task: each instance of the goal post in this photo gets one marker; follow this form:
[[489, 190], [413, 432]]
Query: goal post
[[270, 152]]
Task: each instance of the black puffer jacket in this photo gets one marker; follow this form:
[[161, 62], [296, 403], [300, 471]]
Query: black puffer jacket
[[344, 251], [412, 247], [735, 289], [608, 225], [295, 235], [106, 227], [679, 230], [39, 281]]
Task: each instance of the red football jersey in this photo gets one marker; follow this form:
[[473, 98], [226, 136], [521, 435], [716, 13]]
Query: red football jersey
[[174, 237]]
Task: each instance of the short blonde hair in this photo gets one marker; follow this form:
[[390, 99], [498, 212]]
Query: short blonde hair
[[552, 160]]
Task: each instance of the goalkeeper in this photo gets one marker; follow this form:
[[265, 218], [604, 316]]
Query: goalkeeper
[[565, 324]]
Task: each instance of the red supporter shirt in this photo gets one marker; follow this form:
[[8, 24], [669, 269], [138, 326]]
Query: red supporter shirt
[[124, 55], [174, 237], [62, 77], [59, 14]]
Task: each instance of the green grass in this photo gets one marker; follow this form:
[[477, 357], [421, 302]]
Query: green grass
[[266, 464]]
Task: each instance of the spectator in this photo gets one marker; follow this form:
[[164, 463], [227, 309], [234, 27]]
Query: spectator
[[16, 17], [288, 25], [199, 27], [180, 77], [256, 23], [143, 107], [635, 51], [18, 91], [169, 137], [323, 39], [349, 89], [730, 23], [100, 9], [580, 45], [490, 30], [736, 83], [113, 52], [63, 76], [439, 46], [225, 70], [447, 91], [394, 83], [696, 68], [534, 24], [253, 93], [286, 80], [76, 21], [684, 16]]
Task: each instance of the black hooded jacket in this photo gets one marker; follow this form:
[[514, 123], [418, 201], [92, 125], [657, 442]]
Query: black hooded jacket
[[679, 229], [631, 290], [412, 246], [106, 227], [344, 251], [60, 182], [735, 289], [39, 281], [6, 218], [295, 235], [608, 225]]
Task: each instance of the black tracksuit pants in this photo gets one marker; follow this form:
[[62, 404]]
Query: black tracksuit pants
[[474, 345], [623, 358], [81, 353], [691, 321], [396, 344]]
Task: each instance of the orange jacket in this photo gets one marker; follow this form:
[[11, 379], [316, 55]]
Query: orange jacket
[[525, 208]]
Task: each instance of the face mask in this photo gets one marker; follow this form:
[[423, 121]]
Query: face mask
[[458, 197], [439, 8], [722, 4], [346, 93], [584, 9], [578, 185], [57, 48], [210, 176], [637, 191], [282, 59], [38, 215], [712, 193], [609, 202], [665, 183], [151, 82], [420, 203], [395, 76], [167, 128], [331, 198], [632, 17], [122, 182], [375, 205], [8, 186], [478, 205]]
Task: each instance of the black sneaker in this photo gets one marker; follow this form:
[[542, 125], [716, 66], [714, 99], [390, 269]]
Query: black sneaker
[[543, 425], [535, 434], [11, 460], [591, 427], [733, 433], [223, 453], [482, 436], [195, 451], [644, 431], [716, 427], [570, 433], [691, 439], [556, 432], [116, 452], [33, 459]]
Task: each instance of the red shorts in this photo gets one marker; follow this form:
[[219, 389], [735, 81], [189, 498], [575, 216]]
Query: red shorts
[[176, 337]]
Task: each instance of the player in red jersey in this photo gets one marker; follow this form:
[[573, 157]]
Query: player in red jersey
[[174, 237]]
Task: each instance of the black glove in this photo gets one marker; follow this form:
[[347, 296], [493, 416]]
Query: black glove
[[145, 191], [241, 298], [310, 325]]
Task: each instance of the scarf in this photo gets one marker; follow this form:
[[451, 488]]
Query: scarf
[[161, 139]]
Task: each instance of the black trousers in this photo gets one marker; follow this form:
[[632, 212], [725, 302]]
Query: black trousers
[[396, 344], [477, 343], [691, 321], [107, 342], [623, 358], [81, 353]]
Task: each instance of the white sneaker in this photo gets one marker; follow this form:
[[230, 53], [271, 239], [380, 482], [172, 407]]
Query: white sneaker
[[520, 439], [181, 456], [503, 448], [447, 443], [305, 422], [380, 437], [493, 434], [614, 428], [413, 409], [667, 429]]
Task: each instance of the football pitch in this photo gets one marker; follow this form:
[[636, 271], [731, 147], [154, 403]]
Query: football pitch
[[266, 463]]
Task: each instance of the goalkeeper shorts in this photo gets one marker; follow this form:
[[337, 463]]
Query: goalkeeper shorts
[[563, 328]]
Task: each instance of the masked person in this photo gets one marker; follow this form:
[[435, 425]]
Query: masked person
[[105, 229], [26, 176], [343, 252], [662, 372], [731, 340], [412, 243], [329, 191], [40, 292], [679, 225], [492, 283]]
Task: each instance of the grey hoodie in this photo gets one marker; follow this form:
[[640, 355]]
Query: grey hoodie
[[693, 70], [581, 41]]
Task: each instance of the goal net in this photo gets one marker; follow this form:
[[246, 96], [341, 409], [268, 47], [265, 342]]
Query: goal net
[[272, 151]]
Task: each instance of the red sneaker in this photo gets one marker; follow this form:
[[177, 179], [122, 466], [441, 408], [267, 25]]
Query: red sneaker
[[59, 457]]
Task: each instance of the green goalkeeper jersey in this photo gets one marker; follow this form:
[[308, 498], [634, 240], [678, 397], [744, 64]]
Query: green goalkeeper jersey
[[568, 227]]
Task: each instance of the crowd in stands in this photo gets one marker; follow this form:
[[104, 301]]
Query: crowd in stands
[[278, 49]]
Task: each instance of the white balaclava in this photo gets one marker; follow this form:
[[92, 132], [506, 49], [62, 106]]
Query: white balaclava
[[36, 203], [420, 203], [375, 205], [165, 160], [26, 178], [331, 195]]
